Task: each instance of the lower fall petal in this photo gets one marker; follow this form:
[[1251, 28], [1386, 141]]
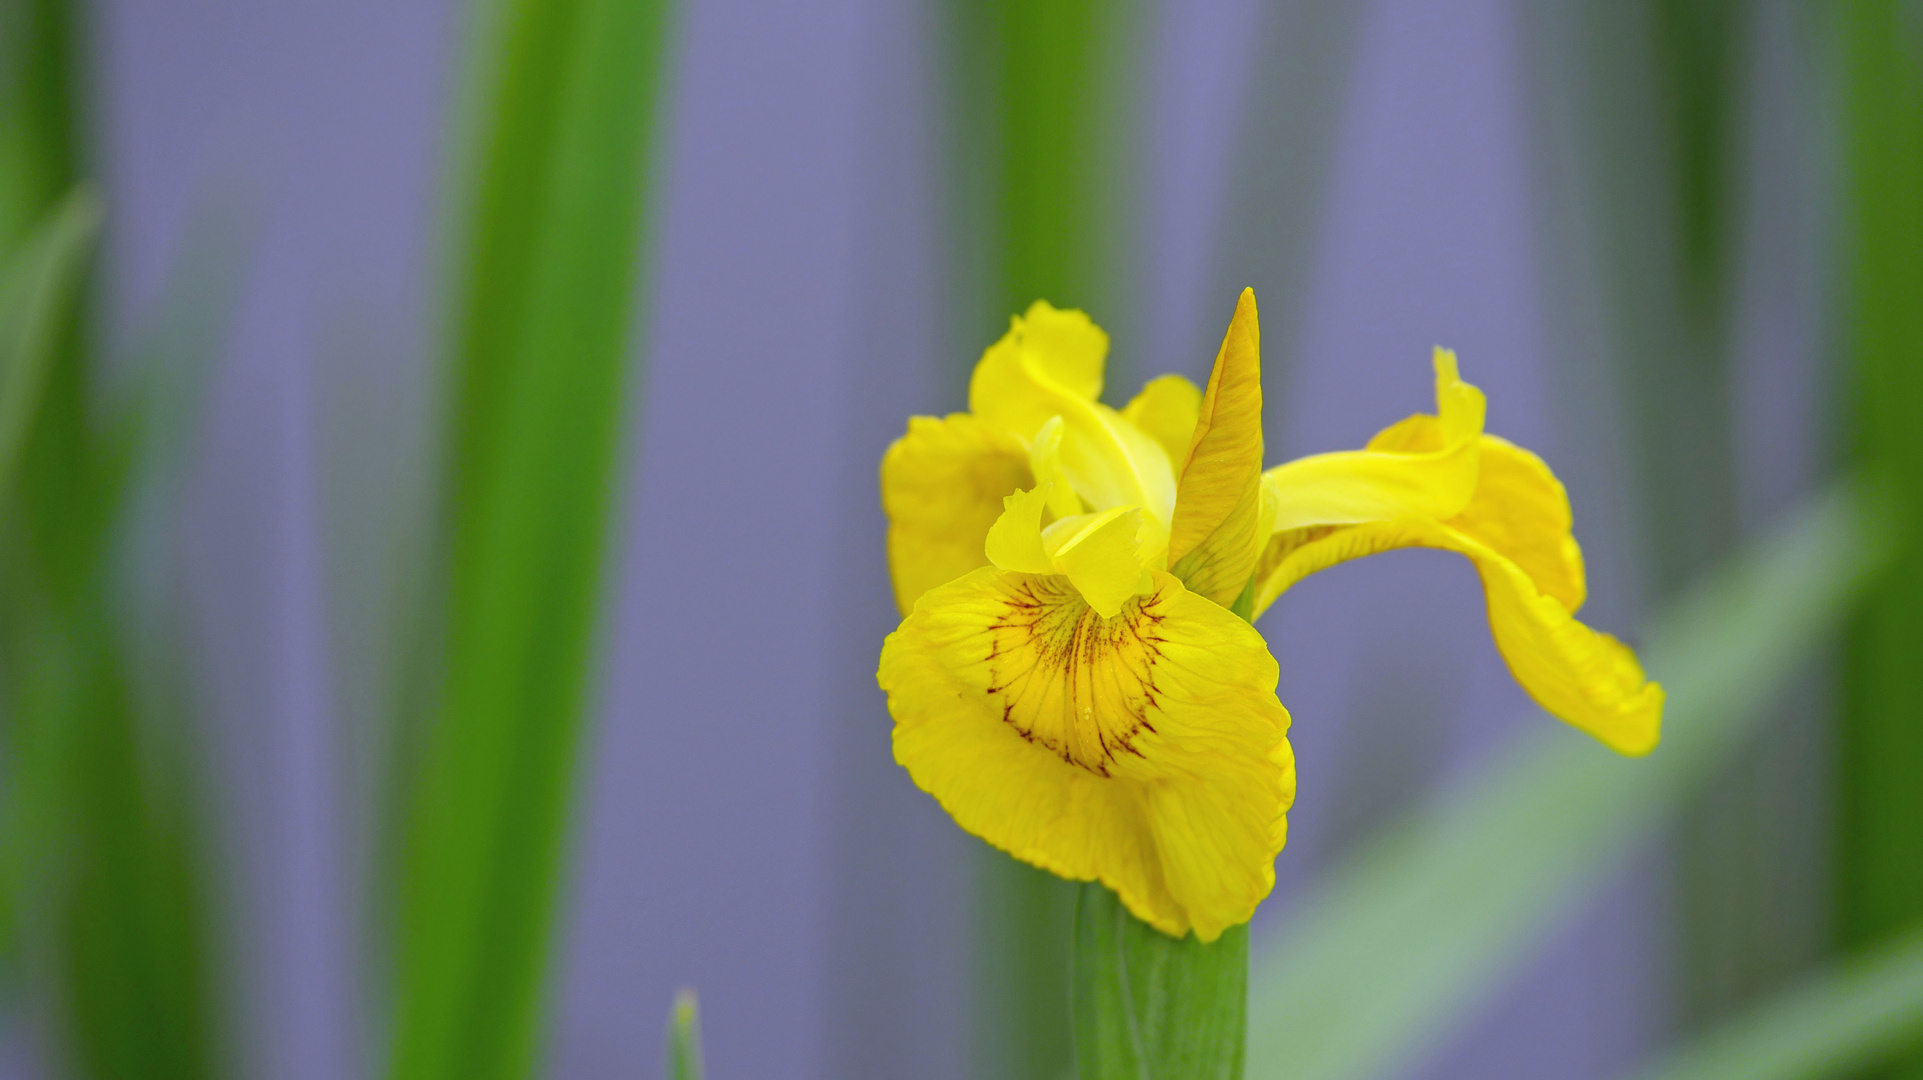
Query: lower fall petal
[[1588, 679], [1146, 751]]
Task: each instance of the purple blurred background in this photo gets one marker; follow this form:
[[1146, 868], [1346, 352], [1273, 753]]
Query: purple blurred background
[[741, 826]]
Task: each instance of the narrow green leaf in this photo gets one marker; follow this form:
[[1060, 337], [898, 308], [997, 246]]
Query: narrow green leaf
[[1879, 847], [39, 285], [102, 830], [684, 1038], [1829, 1026], [1407, 936], [542, 329], [1151, 1007], [1039, 96], [42, 65]]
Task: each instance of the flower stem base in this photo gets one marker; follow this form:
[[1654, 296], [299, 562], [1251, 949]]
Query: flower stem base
[[1151, 1006]]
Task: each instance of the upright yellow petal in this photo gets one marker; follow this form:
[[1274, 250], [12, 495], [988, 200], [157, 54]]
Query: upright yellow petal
[[942, 486], [1146, 750], [1048, 365], [1379, 483], [1068, 347], [1213, 541], [1045, 460], [1015, 540], [1167, 409], [1048, 356]]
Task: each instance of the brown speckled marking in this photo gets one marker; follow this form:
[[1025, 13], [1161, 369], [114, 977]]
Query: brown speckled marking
[[1073, 647]]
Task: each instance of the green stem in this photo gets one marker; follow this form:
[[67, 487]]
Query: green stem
[[1149, 1006]]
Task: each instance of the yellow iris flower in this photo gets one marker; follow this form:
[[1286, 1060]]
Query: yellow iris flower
[[1073, 681]]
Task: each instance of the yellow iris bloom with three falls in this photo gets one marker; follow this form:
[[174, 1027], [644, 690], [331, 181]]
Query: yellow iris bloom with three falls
[[1077, 680]]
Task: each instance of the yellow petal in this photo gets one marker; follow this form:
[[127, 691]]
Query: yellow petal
[[1045, 460], [1068, 347], [1146, 751], [1015, 540], [1166, 410], [942, 486], [1387, 480], [1213, 541], [1521, 511], [1586, 678], [1102, 559], [1519, 508], [1048, 365], [1047, 356]]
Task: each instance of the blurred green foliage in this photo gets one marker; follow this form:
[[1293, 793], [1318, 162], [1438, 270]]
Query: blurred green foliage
[[1830, 1024], [1879, 826], [105, 870], [545, 277]]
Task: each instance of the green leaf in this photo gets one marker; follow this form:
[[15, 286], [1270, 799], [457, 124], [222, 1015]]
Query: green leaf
[[541, 334], [1855, 1015], [104, 832], [1152, 1007], [39, 286], [1405, 938], [1879, 801], [684, 1038], [1038, 92]]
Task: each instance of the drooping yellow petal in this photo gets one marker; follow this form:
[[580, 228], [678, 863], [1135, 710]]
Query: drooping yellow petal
[[1379, 483], [1146, 751], [942, 486], [1167, 409], [1516, 532], [1522, 511], [1213, 540], [1041, 369]]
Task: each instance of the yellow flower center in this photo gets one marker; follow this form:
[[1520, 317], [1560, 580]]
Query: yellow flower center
[[1070, 680]]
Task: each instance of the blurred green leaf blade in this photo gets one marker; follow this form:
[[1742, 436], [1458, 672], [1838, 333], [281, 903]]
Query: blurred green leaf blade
[[1402, 939], [684, 1038], [1878, 845], [39, 286], [542, 328], [106, 865], [1828, 1026]]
